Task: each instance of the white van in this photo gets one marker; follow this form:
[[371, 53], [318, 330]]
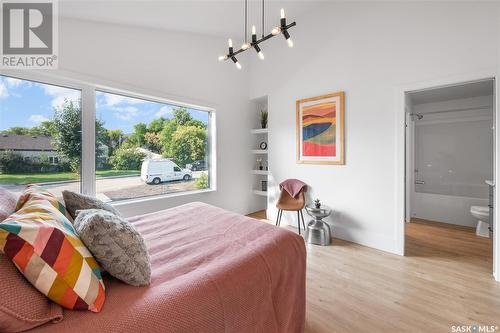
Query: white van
[[163, 170]]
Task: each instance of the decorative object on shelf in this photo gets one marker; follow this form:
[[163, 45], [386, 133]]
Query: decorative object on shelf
[[282, 28], [263, 145], [320, 129], [259, 163], [264, 185], [317, 203], [317, 231], [263, 118]]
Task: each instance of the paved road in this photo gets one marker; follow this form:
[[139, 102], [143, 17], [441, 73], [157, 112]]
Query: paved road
[[116, 188]]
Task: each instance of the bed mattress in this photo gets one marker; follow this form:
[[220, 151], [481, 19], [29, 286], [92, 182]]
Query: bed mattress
[[212, 271]]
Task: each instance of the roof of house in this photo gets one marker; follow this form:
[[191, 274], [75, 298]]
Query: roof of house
[[26, 142]]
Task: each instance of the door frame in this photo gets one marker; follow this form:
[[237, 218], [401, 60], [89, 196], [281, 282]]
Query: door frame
[[400, 99]]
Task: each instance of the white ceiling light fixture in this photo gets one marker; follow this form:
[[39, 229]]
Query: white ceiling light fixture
[[282, 28]]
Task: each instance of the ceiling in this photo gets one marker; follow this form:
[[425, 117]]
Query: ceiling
[[466, 90], [217, 18]]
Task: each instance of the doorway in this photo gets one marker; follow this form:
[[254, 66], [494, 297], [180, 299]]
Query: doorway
[[449, 171]]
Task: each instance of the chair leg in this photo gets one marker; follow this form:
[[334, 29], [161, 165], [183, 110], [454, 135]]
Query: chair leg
[[298, 220], [278, 218], [303, 222]]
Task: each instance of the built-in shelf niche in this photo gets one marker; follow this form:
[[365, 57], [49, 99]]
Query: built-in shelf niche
[[260, 131], [259, 135], [261, 193]]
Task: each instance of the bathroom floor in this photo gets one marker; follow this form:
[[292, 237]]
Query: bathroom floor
[[452, 242]]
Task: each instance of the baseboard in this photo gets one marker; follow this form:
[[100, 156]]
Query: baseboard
[[370, 239], [376, 241]]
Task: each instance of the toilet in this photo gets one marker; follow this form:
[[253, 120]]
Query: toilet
[[482, 214]]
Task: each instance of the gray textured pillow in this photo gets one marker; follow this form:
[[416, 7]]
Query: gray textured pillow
[[116, 245], [76, 201]]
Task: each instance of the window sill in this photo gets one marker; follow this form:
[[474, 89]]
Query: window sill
[[127, 202]]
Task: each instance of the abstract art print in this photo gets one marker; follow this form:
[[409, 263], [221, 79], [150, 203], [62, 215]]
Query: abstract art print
[[320, 129]]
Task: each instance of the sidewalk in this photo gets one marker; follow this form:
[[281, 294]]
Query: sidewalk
[[116, 187]]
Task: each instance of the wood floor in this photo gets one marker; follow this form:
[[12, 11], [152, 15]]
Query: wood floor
[[445, 279]]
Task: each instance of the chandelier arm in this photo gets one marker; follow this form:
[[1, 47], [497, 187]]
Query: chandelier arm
[[281, 29], [286, 27]]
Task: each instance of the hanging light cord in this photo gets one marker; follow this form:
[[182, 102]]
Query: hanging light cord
[[263, 18], [246, 5]]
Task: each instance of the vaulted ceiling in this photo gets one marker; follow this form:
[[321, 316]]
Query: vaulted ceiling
[[217, 18]]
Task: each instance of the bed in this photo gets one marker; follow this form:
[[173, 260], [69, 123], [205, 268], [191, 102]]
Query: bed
[[213, 271]]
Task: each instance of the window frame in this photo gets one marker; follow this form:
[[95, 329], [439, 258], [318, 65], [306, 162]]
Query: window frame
[[88, 116]]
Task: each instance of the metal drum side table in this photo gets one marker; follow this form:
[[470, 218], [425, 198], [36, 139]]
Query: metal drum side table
[[317, 231]]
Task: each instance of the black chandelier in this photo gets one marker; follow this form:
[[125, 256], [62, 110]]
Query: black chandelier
[[282, 28]]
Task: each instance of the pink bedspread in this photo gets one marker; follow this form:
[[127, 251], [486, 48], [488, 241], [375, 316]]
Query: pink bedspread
[[213, 271]]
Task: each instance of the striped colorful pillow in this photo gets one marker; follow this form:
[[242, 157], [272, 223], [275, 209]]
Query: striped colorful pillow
[[36, 193], [44, 246]]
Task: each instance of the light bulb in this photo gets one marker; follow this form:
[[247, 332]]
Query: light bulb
[[237, 65], [230, 42], [254, 32], [282, 12], [290, 42], [245, 46], [222, 58], [275, 31], [261, 55]]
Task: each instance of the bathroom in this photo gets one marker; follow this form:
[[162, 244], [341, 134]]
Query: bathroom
[[450, 156]]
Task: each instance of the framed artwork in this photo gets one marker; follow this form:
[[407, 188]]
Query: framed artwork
[[320, 129]]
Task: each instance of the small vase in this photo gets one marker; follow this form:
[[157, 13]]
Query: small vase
[[317, 206], [261, 168]]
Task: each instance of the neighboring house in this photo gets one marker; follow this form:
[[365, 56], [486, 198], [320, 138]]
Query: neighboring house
[[33, 147], [30, 147]]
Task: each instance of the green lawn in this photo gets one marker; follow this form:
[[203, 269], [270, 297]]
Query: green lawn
[[23, 179]]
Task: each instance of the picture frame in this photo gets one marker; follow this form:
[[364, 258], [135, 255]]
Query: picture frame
[[320, 129]]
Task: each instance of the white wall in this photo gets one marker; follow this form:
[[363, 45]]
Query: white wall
[[178, 66], [367, 50]]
